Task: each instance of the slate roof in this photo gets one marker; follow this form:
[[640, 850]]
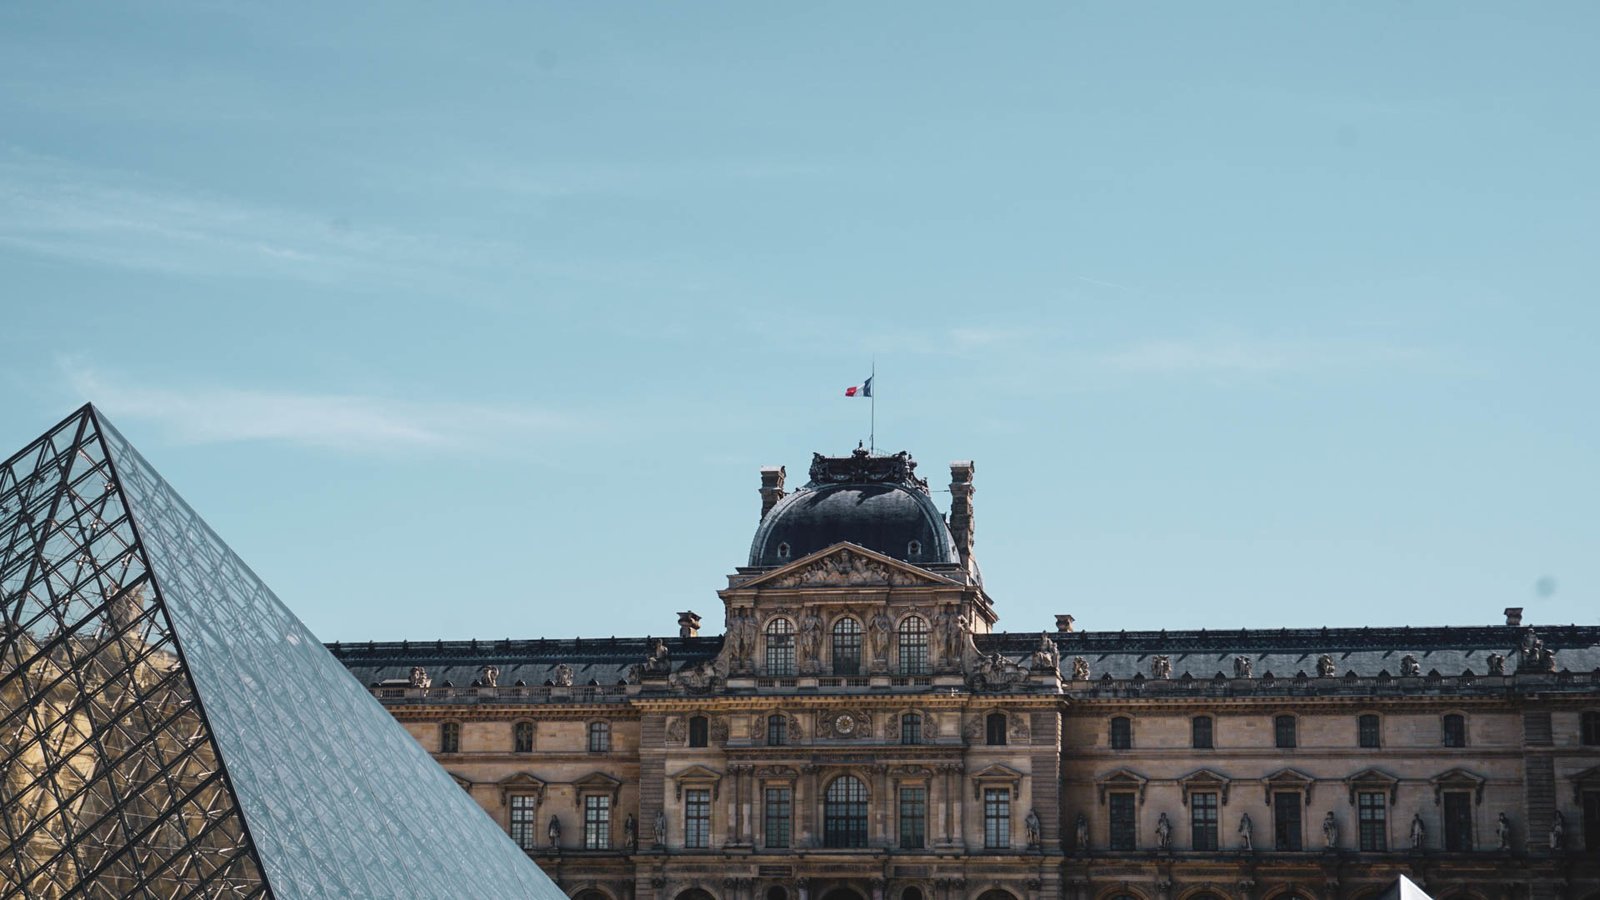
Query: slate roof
[[601, 661]]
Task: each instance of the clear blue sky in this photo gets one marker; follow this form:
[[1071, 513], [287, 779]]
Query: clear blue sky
[[469, 320]]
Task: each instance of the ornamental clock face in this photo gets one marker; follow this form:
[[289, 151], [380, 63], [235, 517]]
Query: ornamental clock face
[[844, 724]]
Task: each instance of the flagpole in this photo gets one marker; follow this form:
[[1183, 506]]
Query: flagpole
[[872, 432]]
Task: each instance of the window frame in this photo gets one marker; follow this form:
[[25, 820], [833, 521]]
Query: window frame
[[1284, 838], [1372, 822], [699, 731], [1458, 827], [910, 728], [522, 737], [1119, 733], [1369, 738], [522, 820], [1122, 825], [1453, 731], [911, 646], [1285, 731], [912, 820], [449, 737], [777, 730], [697, 818], [1589, 728], [996, 818], [596, 822], [777, 817], [778, 660], [1210, 740], [845, 647], [599, 736], [1205, 818], [846, 814], [995, 729]]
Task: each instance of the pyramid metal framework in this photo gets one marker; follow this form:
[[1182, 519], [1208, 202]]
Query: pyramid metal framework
[[169, 729]]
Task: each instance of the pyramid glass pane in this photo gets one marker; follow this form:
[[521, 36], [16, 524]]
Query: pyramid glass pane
[[174, 731]]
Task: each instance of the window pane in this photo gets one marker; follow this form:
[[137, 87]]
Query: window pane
[[779, 803], [844, 820], [910, 729], [596, 823], [996, 818], [847, 647], [1455, 731], [1373, 821], [697, 819], [777, 731], [780, 648], [1203, 820], [699, 731], [450, 738], [1457, 820], [1121, 733], [913, 646], [522, 738], [1286, 820], [1124, 828], [1367, 729], [1202, 732], [1590, 729], [1283, 732], [995, 729], [913, 818], [599, 737], [523, 824]]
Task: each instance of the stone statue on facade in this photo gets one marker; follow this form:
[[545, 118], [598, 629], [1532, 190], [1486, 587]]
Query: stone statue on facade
[[419, 678], [1330, 830], [1046, 658], [553, 832], [879, 628], [810, 642], [489, 676], [563, 676], [661, 829], [1246, 833], [1419, 833], [1325, 667], [1081, 832], [1080, 669], [1031, 824], [1532, 655], [1497, 664], [1163, 833], [630, 834], [1243, 667], [952, 628], [1410, 667], [1161, 666], [741, 638], [1502, 830], [1558, 832], [660, 660]]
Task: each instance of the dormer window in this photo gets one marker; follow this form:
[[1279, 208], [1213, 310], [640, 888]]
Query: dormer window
[[783, 550], [914, 549]]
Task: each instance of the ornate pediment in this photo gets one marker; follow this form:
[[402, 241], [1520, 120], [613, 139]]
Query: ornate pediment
[[1373, 778], [996, 775], [521, 783], [596, 783], [1587, 780], [1458, 779], [1287, 780], [1121, 780], [848, 565], [696, 776], [1205, 780]]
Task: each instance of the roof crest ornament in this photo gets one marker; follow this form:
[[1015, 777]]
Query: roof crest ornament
[[862, 467]]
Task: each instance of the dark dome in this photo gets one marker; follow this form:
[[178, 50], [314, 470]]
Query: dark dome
[[874, 501]]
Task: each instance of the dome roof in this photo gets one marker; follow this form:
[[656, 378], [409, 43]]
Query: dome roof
[[875, 501]]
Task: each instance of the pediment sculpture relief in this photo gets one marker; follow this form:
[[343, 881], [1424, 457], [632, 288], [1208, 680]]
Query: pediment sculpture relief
[[847, 569]]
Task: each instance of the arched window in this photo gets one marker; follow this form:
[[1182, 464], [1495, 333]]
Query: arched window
[[847, 647], [783, 550], [780, 648], [522, 737], [1367, 731], [994, 729], [844, 813], [777, 731], [1121, 733], [911, 728], [1455, 730], [913, 646], [599, 737], [914, 549], [699, 731], [450, 738]]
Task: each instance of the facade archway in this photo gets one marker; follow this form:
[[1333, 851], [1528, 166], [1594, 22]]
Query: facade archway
[[695, 894], [591, 894], [996, 894], [843, 893]]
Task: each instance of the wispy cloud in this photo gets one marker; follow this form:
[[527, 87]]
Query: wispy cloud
[[1241, 355], [349, 423], [59, 209]]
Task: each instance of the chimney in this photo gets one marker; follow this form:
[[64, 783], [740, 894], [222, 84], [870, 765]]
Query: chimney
[[771, 488], [1513, 615], [1064, 622], [961, 526], [688, 624]]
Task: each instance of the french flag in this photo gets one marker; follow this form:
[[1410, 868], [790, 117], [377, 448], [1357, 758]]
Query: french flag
[[864, 389]]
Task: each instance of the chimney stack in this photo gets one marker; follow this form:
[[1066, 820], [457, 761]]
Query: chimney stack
[[771, 488], [1064, 622], [961, 525], [688, 624], [1514, 615]]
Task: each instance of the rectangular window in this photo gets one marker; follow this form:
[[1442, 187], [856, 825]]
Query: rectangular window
[[777, 818], [450, 738], [777, 731], [913, 651], [1589, 729], [1367, 731], [1455, 730], [1286, 820], [1373, 820], [1203, 820], [846, 648], [994, 729], [1121, 733], [996, 818], [524, 826], [780, 650], [910, 729], [1591, 821], [1458, 820], [1200, 729], [1124, 828], [599, 737], [697, 819], [1283, 732], [913, 818], [596, 822]]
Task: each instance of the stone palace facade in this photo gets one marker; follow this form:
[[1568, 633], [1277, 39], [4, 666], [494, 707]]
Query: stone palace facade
[[860, 732]]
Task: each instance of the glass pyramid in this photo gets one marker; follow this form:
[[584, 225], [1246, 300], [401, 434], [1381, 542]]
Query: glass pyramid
[[169, 729]]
